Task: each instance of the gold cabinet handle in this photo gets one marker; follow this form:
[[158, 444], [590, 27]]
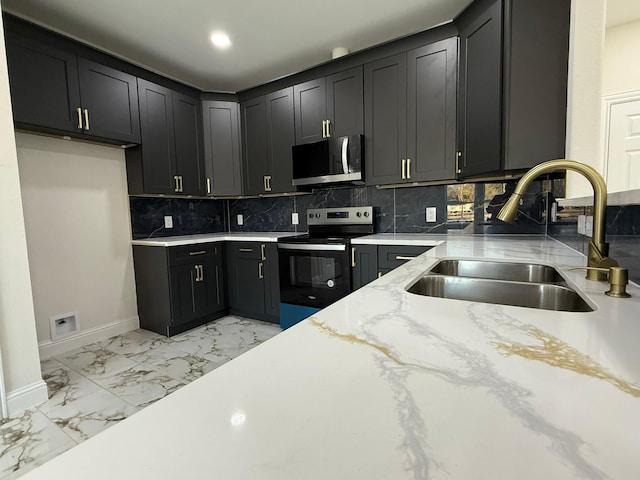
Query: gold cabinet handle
[[404, 169], [402, 257], [260, 275], [199, 252], [267, 183], [245, 249], [86, 119], [379, 274], [262, 257], [324, 129], [176, 188], [458, 155], [264, 181], [181, 187], [201, 273], [208, 185], [79, 110], [328, 128], [408, 168], [353, 256], [197, 268]]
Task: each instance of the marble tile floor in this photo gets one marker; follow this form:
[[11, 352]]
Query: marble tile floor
[[98, 385]]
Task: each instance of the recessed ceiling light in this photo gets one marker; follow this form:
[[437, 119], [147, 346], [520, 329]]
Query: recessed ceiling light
[[220, 39]]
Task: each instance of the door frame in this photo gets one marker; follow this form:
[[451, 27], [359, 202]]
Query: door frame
[[608, 102]]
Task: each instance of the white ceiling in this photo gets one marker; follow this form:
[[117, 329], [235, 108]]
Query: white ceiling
[[270, 39]]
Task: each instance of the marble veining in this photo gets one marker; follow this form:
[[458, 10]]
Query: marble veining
[[101, 384], [557, 353]]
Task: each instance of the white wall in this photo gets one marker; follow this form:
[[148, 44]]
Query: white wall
[[77, 222], [18, 344], [585, 90], [621, 68]]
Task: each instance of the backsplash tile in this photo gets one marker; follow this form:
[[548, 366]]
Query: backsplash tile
[[266, 214], [460, 208], [190, 216]]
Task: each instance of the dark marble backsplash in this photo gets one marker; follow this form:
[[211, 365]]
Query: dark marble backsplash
[[460, 208], [190, 216], [622, 234]]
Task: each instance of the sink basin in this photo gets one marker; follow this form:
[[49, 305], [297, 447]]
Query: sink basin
[[517, 272], [546, 296]]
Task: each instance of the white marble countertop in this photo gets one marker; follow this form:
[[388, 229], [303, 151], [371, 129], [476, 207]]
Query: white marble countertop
[[389, 385], [212, 237], [417, 239]]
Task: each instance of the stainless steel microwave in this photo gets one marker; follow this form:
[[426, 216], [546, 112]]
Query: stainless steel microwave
[[334, 160]]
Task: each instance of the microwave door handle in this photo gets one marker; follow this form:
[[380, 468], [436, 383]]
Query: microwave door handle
[[345, 155]]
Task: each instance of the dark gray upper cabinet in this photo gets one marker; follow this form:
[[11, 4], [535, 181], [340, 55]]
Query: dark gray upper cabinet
[[410, 111], [53, 90], [267, 138], [513, 84], [187, 127], [385, 106], [329, 106], [109, 101], [431, 111], [168, 160], [222, 147], [254, 145], [280, 139], [44, 85]]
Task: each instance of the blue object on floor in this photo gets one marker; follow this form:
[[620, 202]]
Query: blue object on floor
[[292, 314]]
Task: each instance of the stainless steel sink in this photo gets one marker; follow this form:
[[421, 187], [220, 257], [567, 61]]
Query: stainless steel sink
[[546, 296], [513, 271]]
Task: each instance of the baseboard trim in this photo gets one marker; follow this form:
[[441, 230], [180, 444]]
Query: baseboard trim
[[26, 397], [50, 349]]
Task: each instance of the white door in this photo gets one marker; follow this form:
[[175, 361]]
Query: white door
[[622, 142]]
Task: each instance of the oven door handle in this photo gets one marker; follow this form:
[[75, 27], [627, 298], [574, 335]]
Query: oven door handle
[[322, 247]]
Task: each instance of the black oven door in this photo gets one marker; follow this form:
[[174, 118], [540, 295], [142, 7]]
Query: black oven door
[[313, 275]]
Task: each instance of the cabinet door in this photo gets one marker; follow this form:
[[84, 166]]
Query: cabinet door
[[109, 101], [280, 139], [210, 287], [184, 306], [254, 145], [385, 107], [479, 93], [431, 108], [310, 101], [158, 141], [187, 127], [364, 266], [44, 85], [272, 283], [246, 286], [345, 103], [222, 148]]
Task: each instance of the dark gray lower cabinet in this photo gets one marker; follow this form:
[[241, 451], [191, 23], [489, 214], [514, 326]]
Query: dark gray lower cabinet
[[252, 273], [369, 262], [179, 288], [364, 265]]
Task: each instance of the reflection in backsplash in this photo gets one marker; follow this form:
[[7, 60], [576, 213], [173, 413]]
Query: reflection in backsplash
[[461, 208]]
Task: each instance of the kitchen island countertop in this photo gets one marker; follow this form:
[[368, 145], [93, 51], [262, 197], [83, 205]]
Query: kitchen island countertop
[[385, 384]]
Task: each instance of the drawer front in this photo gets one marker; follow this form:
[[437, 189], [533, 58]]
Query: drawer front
[[192, 253], [254, 250], [392, 256]]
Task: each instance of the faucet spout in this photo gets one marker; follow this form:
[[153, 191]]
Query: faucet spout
[[598, 248]]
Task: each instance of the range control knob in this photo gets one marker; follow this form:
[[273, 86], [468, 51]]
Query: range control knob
[[317, 215], [311, 215], [358, 214], [366, 214]]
